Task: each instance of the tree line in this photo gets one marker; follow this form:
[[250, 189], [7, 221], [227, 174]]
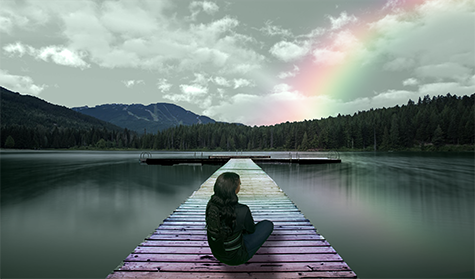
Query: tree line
[[434, 122]]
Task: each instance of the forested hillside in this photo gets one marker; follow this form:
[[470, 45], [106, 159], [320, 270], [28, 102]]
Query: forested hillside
[[32, 112], [29, 122], [443, 120]]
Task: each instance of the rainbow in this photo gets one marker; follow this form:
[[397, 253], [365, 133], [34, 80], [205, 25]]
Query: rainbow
[[338, 79]]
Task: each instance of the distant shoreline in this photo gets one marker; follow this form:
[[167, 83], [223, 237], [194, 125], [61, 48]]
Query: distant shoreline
[[425, 148]]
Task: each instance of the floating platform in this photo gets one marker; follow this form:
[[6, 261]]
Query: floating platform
[[221, 160], [178, 248]]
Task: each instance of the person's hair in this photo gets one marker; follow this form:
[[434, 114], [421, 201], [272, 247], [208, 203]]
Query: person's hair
[[220, 214]]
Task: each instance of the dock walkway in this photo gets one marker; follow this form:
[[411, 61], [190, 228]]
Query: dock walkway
[[179, 249]]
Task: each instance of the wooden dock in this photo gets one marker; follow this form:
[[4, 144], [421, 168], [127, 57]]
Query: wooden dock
[[220, 160], [178, 248]]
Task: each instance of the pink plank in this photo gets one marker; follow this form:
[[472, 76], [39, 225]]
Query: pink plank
[[202, 219], [206, 250], [268, 243], [201, 223], [266, 275], [203, 237], [280, 231], [202, 227], [209, 258], [250, 267]]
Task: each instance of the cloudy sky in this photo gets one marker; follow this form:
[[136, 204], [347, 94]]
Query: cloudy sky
[[258, 62]]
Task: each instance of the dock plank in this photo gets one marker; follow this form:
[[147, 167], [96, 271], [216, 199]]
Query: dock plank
[[178, 248], [248, 267], [209, 258]]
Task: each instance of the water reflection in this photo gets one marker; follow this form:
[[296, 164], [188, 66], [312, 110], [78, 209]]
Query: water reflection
[[395, 209], [79, 215]]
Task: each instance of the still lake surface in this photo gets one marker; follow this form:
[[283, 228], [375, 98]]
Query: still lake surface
[[78, 214]]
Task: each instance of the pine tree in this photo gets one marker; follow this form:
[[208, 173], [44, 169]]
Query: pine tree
[[438, 138], [10, 142]]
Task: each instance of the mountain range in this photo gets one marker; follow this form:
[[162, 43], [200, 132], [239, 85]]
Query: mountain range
[[145, 119], [32, 112]]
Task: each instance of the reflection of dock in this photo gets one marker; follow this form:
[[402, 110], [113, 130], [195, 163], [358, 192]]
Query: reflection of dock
[[222, 159], [178, 247]]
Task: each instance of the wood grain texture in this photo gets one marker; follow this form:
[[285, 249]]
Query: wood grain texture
[[178, 248]]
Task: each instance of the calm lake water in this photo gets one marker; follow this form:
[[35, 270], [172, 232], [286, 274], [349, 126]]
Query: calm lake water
[[389, 215]]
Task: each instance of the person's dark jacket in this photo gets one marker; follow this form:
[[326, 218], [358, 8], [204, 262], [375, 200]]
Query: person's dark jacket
[[232, 250]]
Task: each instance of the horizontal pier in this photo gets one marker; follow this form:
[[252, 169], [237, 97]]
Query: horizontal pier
[[178, 248], [220, 160]]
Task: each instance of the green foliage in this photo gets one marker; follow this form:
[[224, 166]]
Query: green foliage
[[438, 138], [406, 127], [9, 142], [440, 123], [32, 112]]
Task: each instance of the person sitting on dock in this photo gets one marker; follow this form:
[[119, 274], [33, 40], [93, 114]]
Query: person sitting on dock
[[232, 235]]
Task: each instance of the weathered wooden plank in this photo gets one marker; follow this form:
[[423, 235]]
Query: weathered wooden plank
[[193, 243], [250, 203], [290, 231], [263, 210], [201, 223], [226, 275], [261, 205], [274, 237], [206, 250], [249, 267], [209, 258], [201, 217], [202, 227]]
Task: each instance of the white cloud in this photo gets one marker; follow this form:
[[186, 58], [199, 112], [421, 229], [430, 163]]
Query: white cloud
[[289, 51], [273, 30], [206, 55], [193, 90], [206, 6], [293, 73], [17, 47], [342, 20], [132, 82], [345, 39], [58, 54], [138, 35], [240, 82], [163, 85], [392, 5], [343, 44], [410, 81], [314, 34], [21, 84], [201, 79], [221, 81], [210, 7], [215, 28], [62, 56], [329, 57], [193, 93]]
